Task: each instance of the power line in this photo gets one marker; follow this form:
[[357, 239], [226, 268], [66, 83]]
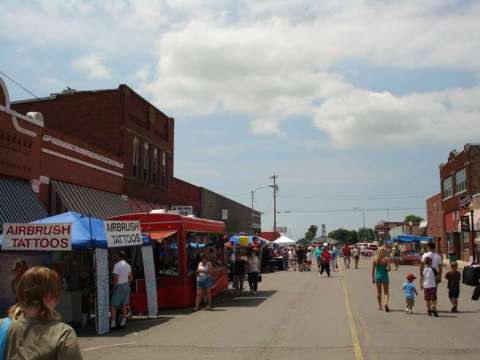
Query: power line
[[343, 197], [341, 210], [18, 84]]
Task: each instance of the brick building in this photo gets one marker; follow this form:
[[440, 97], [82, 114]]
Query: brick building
[[460, 180], [237, 217], [382, 229], [435, 222], [122, 123], [63, 172], [116, 142]]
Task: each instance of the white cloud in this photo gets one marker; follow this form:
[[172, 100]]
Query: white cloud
[[93, 66], [379, 119], [269, 61]]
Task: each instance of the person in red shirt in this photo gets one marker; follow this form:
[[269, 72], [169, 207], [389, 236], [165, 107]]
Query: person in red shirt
[[346, 255], [325, 261]]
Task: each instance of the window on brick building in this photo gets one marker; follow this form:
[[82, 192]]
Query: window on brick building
[[460, 181], [447, 187], [164, 169], [146, 162], [155, 167], [136, 157]]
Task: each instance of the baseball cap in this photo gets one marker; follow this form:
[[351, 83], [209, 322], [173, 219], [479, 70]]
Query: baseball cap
[[410, 276]]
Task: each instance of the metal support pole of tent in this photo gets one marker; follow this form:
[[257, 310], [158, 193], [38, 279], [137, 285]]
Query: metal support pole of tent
[[150, 280], [472, 238]]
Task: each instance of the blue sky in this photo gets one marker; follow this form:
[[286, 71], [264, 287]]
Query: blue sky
[[353, 104]]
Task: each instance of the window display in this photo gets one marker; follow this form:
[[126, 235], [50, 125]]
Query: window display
[[165, 255], [198, 243]]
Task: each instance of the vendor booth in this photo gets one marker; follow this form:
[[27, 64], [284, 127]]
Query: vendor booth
[[411, 247], [177, 243], [77, 248], [284, 241]]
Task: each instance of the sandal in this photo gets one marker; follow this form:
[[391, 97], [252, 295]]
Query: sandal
[[387, 309]]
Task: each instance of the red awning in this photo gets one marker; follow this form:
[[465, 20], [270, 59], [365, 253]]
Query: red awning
[[160, 235]]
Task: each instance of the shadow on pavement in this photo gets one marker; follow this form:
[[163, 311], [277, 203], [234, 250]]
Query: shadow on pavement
[[228, 299], [133, 325]]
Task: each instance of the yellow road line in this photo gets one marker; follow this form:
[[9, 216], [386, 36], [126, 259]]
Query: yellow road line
[[353, 329]]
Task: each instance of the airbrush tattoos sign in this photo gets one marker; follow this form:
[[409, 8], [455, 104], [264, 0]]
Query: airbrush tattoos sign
[[37, 237], [123, 233]]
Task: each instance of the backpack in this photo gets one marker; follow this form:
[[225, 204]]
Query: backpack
[[4, 335]]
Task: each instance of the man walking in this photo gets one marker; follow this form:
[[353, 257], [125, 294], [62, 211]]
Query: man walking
[[325, 261], [436, 265], [346, 255], [122, 277]]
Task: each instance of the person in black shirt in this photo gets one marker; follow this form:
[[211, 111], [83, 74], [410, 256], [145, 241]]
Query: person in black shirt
[[238, 267]]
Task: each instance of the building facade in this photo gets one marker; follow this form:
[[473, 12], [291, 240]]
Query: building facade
[[122, 123], [435, 222], [382, 229], [459, 180], [237, 217], [115, 142]]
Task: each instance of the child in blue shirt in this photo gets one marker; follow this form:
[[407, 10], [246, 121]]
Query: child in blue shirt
[[409, 291]]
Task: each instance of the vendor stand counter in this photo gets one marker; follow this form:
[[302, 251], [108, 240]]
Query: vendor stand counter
[[178, 242]]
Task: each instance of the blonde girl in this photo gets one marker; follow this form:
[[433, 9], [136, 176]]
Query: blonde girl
[[380, 269], [35, 330]]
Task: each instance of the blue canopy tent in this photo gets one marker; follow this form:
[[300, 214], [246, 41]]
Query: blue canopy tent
[[412, 239]]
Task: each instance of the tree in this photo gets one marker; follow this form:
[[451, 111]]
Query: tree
[[416, 220], [366, 234], [343, 235], [311, 233]]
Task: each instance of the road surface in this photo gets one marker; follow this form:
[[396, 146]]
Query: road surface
[[299, 315]]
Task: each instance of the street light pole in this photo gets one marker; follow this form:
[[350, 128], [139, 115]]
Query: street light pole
[[275, 188]]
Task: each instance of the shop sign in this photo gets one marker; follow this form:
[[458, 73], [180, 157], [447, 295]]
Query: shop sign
[[465, 201], [123, 233], [37, 237], [224, 214], [465, 223]]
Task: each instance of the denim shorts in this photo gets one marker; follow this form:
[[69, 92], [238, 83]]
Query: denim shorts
[[205, 283], [121, 295]]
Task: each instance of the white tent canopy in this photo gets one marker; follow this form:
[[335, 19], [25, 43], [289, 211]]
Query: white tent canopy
[[284, 241]]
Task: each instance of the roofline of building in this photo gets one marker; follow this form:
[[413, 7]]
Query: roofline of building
[[234, 201], [433, 196]]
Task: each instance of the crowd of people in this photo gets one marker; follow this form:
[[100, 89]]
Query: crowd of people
[[324, 255]]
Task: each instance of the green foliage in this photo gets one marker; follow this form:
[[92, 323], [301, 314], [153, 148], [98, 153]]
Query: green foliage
[[344, 235], [311, 233], [416, 220], [366, 234]]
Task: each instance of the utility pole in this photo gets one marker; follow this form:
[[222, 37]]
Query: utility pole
[[364, 230], [252, 192], [275, 188]]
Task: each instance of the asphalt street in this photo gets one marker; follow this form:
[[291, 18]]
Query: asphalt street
[[299, 315]]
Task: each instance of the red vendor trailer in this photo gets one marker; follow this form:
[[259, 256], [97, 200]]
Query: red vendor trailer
[[178, 242]]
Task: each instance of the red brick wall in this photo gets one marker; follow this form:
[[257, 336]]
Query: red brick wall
[[19, 153], [66, 170], [186, 194], [435, 216], [94, 117]]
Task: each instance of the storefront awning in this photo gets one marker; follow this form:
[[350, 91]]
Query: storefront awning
[[160, 235], [19, 204], [92, 202]]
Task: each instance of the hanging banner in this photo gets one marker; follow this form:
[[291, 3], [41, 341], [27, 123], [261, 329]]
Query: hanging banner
[[150, 280], [103, 299], [37, 237], [123, 233]]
